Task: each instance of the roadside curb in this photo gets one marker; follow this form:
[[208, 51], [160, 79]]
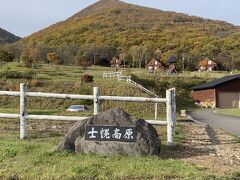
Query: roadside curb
[[196, 121]]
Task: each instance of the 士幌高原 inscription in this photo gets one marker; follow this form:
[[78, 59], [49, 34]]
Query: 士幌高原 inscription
[[111, 133]]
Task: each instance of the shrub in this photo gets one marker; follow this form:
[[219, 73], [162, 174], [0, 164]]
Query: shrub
[[17, 75], [85, 64], [36, 83], [26, 59], [87, 78], [54, 58]]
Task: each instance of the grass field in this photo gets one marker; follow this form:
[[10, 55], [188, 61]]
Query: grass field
[[66, 79], [37, 157], [231, 112]]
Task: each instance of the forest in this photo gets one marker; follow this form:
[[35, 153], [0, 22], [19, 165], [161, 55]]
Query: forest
[[133, 34]]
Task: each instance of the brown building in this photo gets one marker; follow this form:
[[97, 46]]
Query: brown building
[[172, 65], [207, 65], [154, 65], [115, 62], [222, 93]]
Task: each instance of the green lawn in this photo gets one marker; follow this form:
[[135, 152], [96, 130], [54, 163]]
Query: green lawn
[[231, 112], [37, 158]]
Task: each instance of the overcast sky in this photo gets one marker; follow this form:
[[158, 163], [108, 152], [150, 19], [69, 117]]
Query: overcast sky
[[23, 17]]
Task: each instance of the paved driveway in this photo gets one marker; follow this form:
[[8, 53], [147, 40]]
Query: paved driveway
[[227, 123]]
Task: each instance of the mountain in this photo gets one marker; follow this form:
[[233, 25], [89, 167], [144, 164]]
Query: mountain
[[100, 6], [122, 25], [7, 37]]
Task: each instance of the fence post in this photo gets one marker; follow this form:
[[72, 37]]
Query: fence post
[[96, 103], [174, 108], [174, 111], [118, 76], [170, 117], [156, 110], [23, 111]]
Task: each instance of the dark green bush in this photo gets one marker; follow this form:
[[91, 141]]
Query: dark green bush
[[17, 75], [87, 78]]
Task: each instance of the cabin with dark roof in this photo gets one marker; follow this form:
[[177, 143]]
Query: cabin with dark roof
[[172, 60], [171, 65], [221, 93]]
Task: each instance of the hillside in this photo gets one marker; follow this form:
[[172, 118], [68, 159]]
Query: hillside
[[120, 25], [7, 37]]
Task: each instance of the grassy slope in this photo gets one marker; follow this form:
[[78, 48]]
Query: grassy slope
[[66, 79]]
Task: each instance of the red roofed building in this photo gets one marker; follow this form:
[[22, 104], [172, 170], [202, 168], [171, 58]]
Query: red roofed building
[[154, 65], [207, 65], [115, 62]]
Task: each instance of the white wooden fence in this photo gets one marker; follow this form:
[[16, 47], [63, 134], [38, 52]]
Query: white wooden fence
[[23, 115], [111, 74], [128, 80]]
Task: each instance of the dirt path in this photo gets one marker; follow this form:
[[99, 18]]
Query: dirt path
[[213, 150]]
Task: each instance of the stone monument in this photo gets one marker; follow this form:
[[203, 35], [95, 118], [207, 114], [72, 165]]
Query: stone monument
[[113, 132]]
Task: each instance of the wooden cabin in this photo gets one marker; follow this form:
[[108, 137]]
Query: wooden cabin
[[115, 62], [207, 65], [155, 65]]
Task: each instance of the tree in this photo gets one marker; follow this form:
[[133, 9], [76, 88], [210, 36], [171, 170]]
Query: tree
[[14, 49], [137, 55], [54, 58], [6, 57], [29, 55], [158, 54], [41, 52], [235, 57], [68, 53], [148, 53], [82, 59], [26, 59], [123, 57], [93, 50], [31, 52], [104, 55]]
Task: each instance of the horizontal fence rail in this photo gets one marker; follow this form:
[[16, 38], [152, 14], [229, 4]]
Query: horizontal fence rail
[[23, 115], [64, 118], [86, 97], [111, 74], [10, 93], [60, 96]]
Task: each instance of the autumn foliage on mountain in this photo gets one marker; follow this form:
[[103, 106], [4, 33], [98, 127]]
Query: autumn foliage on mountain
[[111, 28]]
